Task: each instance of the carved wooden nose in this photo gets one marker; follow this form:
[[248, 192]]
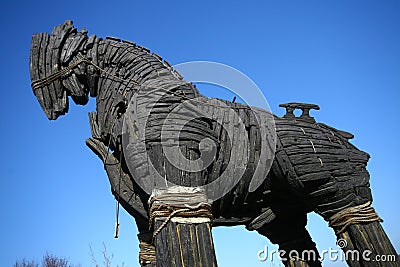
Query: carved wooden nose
[[305, 108]]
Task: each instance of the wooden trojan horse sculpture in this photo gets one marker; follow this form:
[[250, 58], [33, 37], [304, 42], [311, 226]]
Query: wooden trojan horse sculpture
[[285, 167]]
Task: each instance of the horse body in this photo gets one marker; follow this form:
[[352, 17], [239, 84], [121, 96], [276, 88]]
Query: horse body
[[315, 167]]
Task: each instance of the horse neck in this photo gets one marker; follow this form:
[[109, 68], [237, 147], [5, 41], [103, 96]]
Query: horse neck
[[124, 66], [118, 70], [113, 71]]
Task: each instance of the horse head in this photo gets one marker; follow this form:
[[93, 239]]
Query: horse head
[[56, 72]]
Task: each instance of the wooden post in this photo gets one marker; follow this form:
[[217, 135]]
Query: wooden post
[[362, 238], [181, 218], [147, 253], [373, 246], [184, 244]]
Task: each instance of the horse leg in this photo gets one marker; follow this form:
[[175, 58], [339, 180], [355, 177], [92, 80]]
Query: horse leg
[[347, 208], [361, 236], [288, 231], [147, 251], [373, 244]]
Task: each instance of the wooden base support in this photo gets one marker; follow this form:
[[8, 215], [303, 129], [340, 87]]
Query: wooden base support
[[184, 244], [368, 245]]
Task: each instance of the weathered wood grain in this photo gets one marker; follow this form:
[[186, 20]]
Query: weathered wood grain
[[184, 245]]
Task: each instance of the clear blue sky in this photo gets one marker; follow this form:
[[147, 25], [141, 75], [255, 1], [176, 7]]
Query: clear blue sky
[[343, 55]]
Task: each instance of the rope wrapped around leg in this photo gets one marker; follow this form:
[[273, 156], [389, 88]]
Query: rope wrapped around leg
[[179, 204], [359, 214], [147, 253]]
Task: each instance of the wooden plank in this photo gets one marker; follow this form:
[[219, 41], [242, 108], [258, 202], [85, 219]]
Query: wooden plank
[[51, 68], [76, 41], [103, 47], [111, 52], [180, 244], [94, 127], [35, 61], [349, 247], [78, 90], [286, 167], [318, 167], [305, 142], [47, 101]]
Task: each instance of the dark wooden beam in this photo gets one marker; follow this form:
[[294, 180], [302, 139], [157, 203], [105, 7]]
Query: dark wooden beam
[[373, 246], [184, 244], [181, 223]]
